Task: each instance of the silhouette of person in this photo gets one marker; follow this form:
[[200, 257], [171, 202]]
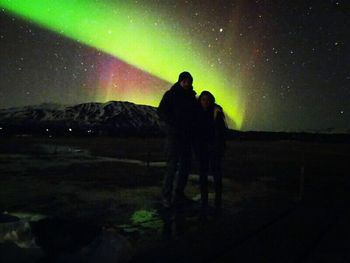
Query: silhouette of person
[[178, 109], [210, 144]]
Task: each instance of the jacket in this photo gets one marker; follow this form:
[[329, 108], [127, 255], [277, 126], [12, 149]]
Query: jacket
[[178, 109], [212, 130]]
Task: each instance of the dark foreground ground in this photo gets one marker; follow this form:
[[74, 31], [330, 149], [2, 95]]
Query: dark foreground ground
[[97, 200]]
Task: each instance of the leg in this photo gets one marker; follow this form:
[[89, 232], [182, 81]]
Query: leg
[[203, 180], [185, 159], [171, 167], [217, 174]]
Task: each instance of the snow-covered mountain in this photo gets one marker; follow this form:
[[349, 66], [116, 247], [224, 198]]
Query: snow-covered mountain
[[113, 116]]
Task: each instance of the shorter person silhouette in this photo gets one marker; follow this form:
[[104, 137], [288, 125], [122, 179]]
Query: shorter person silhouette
[[210, 144]]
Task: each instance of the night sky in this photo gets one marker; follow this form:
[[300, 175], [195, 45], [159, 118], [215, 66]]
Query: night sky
[[284, 64]]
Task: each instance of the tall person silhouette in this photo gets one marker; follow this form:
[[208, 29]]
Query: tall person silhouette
[[178, 109]]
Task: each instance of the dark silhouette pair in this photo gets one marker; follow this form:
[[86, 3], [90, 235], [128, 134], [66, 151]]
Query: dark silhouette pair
[[196, 124]]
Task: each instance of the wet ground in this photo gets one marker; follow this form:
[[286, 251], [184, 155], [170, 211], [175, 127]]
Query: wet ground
[[97, 200]]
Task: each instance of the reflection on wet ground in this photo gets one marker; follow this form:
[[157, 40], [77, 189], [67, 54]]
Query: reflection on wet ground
[[141, 221]]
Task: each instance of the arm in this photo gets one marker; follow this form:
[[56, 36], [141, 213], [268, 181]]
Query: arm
[[220, 127], [164, 109]]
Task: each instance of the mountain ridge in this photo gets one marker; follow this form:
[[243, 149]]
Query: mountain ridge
[[108, 117]]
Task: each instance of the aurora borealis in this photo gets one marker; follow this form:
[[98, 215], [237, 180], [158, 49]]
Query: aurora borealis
[[129, 34], [261, 61]]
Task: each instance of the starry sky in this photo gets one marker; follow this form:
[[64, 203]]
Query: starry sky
[[274, 65]]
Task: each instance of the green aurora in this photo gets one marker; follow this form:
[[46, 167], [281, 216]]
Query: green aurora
[[128, 33]]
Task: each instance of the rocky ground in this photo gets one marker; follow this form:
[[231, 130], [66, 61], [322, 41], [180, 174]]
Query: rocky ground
[[98, 200]]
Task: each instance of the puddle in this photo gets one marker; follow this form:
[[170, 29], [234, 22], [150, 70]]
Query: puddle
[[59, 149], [133, 161], [27, 216], [41, 156], [74, 151]]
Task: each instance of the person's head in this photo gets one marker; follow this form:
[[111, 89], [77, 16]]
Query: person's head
[[206, 100], [185, 80]]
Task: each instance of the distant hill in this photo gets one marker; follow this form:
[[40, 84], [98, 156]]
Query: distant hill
[[114, 117]]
